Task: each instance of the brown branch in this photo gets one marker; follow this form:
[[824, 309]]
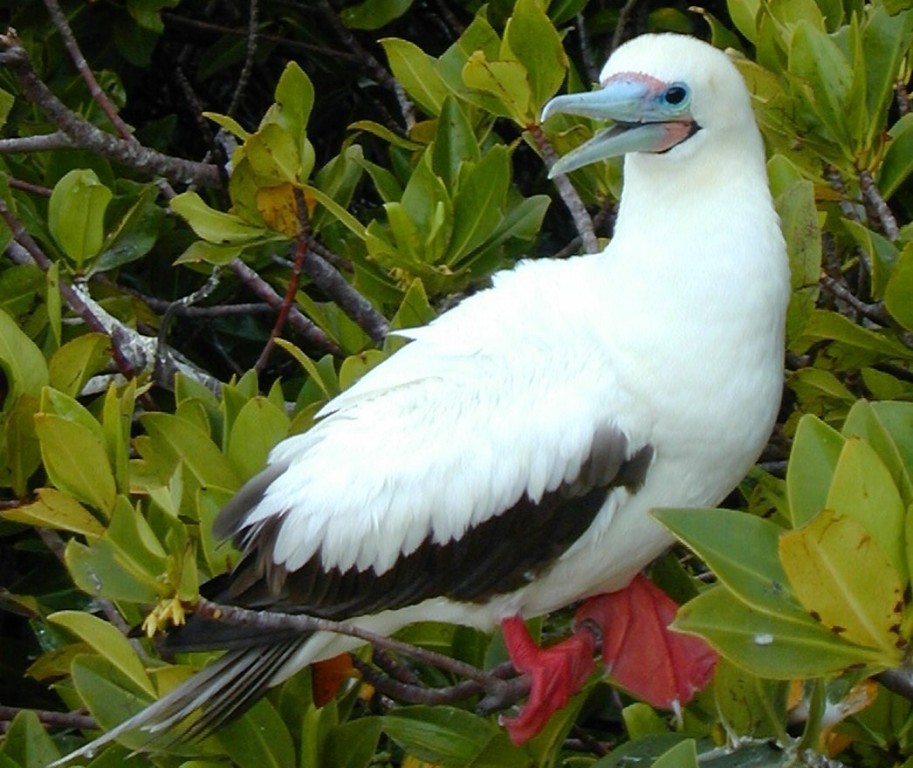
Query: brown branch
[[133, 352], [902, 98], [875, 201], [269, 621], [82, 66], [378, 70], [876, 311], [250, 53], [76, 720], [582, 220], [302, 325], [301, 247], [84, 135], [624, 16]]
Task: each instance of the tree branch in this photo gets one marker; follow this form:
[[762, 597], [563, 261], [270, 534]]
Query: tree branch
[[84, 135], [582, 220]]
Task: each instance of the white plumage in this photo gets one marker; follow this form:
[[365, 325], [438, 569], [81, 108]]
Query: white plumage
[[665, 348]]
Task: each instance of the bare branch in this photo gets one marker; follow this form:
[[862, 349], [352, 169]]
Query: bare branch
[[296, 319], [100, 97], [84, 135], [75, 720], [250, 53], [566, 190], [44, 142], [879, 207]]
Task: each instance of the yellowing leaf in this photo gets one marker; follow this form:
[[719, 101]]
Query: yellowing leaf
[[845, 580], [279, 209]]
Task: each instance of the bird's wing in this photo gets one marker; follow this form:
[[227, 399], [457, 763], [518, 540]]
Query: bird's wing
[[454, 473]]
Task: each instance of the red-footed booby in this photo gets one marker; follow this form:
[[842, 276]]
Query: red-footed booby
[[504, 463]]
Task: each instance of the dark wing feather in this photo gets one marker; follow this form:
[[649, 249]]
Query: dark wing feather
[[498, 556]]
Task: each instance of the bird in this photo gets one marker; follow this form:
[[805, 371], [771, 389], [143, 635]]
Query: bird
[[504, 462]]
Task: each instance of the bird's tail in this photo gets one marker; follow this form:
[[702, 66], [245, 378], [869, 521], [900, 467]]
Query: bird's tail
[[201, 704]]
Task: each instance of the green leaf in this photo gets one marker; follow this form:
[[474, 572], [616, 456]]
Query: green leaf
[[258, 739], [273, 155], [212, 225], [352, 744], [21, 448], [753, 573], [799, 222], [76, 215], [135, 234], [77, 361], [440, 734], [416, 72], [744, 14], [294, 96], [210, 253], [683, 755], [228, 123], [107, 642], [27, 743], [815, 452], [886, 40], [817, 59], [506, 81], [832, 326], [454, 143], [900, 288], [180, 440], [373, 14], [477, 206], [826, 559], [76, 462], [882, 253], [772, 647], [23, 364], [866, 420], [257, 428], [536, 43], [897, 164], [54, 509], [863, 489], [750, 705]]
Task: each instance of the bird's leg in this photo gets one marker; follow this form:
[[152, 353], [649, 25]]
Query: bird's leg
[[662, 667], [556, 673]]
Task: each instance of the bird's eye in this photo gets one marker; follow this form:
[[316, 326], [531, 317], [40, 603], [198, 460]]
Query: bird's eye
[[675, 94]]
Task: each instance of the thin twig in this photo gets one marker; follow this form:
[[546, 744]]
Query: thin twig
[[301, 248], [582, 220], [269, 621], [586, 52], [76, 720], [624, 16], [253, 23], [876, 311], [84, 135], [95, 90], [302, 325]]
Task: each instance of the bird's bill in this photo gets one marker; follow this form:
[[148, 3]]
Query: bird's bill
[[643, 121]]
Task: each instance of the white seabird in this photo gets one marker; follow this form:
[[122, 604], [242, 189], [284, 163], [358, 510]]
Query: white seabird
[[504, 463]]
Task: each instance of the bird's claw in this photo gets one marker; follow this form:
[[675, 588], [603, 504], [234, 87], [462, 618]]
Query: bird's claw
[[555, 673]]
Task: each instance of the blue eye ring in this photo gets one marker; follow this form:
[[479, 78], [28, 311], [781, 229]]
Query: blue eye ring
[[676, 95]]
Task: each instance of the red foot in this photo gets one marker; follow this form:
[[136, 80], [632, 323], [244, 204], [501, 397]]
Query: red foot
[[663, 668], [556, 674]]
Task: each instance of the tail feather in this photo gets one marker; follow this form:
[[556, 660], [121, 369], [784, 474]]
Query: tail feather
[[206, 701]]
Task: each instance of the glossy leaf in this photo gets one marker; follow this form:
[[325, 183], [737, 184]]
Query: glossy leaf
[[258, 739], [416, 72], [900, 288], [824, 559], [77, 361], [76, 215], [683, 755], [23, 364], [454, 144], [506, 81], [75, 459], [536, 43], [212, 225], [863, 489], [56, 510], [754, 574], [816, 450], [27, 743], [107, 642], [897, 164], [294, 96], [773, 647], [258, 427], [373, 14]]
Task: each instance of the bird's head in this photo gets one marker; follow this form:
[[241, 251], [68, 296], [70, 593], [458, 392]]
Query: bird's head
[[662, 92]]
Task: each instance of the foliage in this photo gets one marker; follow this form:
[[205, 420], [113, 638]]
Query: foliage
[[385, 157]]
